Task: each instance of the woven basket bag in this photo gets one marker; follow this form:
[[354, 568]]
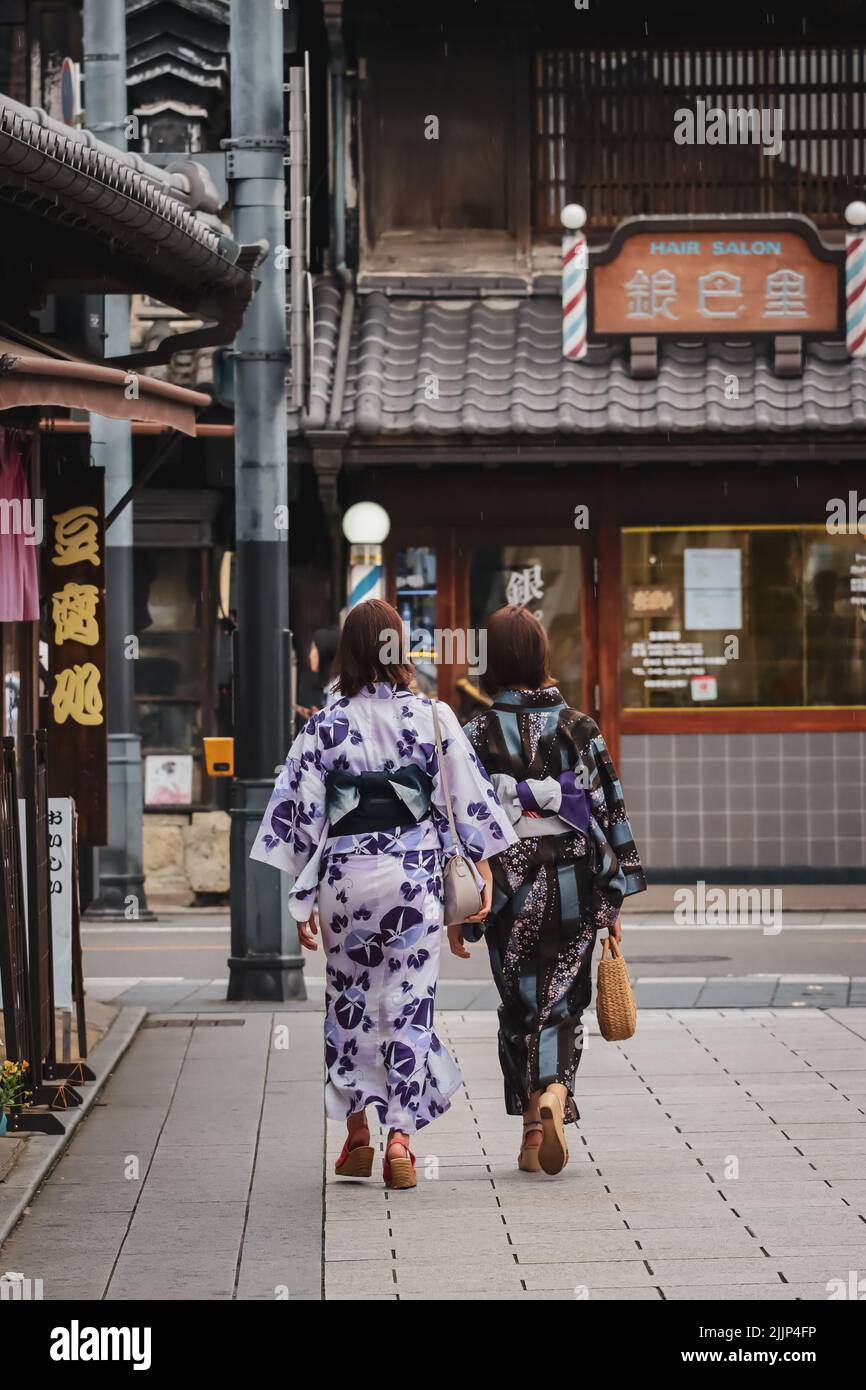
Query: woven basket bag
[[615, 1008]]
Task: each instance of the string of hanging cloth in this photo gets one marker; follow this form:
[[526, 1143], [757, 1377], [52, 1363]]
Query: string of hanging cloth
[[20, 534]]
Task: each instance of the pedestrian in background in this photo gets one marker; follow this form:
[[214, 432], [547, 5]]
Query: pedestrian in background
[[313, 682]]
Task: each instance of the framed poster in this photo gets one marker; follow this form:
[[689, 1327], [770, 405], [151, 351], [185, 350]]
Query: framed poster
[[168, 779]]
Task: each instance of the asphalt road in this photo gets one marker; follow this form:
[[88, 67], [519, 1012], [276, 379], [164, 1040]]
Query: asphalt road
[[195, 946]]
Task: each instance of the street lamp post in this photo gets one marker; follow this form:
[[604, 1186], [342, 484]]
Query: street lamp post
[[365, 526], [118, 866]]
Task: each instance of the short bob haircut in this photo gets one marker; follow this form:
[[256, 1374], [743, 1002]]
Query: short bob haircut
[[370, 628], [518, 652]]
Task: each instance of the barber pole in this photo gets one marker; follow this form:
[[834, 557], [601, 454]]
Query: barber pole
[[855, 280], [366, 574], [574, 258]]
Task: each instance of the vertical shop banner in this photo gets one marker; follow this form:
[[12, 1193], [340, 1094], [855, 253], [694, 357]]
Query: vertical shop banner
[[60, 854], [76, 617]]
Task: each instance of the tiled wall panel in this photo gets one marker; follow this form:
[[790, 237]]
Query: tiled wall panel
[[752, 801]]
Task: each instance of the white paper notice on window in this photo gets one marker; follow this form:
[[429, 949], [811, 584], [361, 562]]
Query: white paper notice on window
[[713, 590]]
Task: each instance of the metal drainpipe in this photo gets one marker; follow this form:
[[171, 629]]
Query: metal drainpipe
[[118, 866], [343, 272], [298, 233], [347, 279], [265, 962]]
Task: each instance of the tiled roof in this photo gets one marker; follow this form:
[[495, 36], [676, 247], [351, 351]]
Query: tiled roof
[[162, 219], [487, 366]]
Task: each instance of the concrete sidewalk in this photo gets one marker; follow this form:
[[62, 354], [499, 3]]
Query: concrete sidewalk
[[719, 1156], [668, 992]]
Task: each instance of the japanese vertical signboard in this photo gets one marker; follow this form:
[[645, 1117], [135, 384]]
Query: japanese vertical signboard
[[700, 277], [60, 853], [75, 585]]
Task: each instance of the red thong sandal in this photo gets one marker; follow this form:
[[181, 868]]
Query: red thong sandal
[[355, 1162], [399, 1172]]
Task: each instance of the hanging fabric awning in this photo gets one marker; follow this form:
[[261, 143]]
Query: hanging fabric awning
[[30, 377], [19, 538]]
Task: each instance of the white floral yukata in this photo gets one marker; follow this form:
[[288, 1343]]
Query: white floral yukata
[[380, 892]]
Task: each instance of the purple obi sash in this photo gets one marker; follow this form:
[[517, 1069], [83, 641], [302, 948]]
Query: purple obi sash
[[556, 796]]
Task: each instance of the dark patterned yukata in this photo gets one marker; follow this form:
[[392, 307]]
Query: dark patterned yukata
[[565, 878]]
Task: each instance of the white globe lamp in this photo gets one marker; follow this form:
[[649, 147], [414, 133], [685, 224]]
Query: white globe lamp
[[366, 523], [573, 217]]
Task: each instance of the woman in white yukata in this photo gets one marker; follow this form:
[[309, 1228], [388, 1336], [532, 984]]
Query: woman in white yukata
[[358, 818]]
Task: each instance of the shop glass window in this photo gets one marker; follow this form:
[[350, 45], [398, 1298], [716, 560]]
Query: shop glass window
[[11, 670], [172, 669], [547, 579], [415, 585], [746, 617], [13, 62]]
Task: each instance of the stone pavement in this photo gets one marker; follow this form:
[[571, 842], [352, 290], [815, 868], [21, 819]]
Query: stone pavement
[[719, 1156]]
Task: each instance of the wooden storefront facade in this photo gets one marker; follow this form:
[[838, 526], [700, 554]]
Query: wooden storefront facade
[[746, 791], [666, 505]]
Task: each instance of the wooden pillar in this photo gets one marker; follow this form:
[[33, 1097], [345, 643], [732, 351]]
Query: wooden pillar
[[609, 610], [327, 463], [28, 633]]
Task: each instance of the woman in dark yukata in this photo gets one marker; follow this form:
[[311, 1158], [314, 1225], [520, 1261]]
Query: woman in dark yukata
[[565, 878]]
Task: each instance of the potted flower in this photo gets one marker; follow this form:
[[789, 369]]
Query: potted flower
[[13, 1089]]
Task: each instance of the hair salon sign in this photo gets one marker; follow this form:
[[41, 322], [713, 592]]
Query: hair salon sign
[[694, 278]]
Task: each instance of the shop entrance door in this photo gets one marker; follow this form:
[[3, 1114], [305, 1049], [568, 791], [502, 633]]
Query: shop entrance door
[[446, 581]]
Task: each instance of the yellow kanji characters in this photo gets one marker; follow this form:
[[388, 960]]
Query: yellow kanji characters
[[76, 537], [73, 610], [77, 696]]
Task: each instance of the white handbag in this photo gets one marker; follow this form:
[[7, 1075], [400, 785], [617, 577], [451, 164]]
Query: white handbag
[[460, 890]]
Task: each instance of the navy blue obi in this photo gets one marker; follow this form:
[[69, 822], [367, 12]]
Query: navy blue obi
[[359, 802]]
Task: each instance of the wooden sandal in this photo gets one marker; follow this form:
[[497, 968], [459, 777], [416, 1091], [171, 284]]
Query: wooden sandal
[[399, 1173], [356, 1162], [528, 1160], [553, 1150]]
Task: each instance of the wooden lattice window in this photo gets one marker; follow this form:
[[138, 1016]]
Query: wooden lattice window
[[603, 132]]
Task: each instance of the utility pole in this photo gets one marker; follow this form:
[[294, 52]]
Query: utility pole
[[118, 867], [265, 958]]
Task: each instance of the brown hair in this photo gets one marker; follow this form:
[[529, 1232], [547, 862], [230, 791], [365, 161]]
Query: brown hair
[[369, 628], [518, 652]]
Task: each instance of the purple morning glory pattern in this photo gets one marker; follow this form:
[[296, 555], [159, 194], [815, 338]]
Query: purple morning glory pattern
[[379, 896]]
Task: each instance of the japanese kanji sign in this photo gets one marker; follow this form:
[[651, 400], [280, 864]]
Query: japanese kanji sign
[[732, 277], [75, 586]]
